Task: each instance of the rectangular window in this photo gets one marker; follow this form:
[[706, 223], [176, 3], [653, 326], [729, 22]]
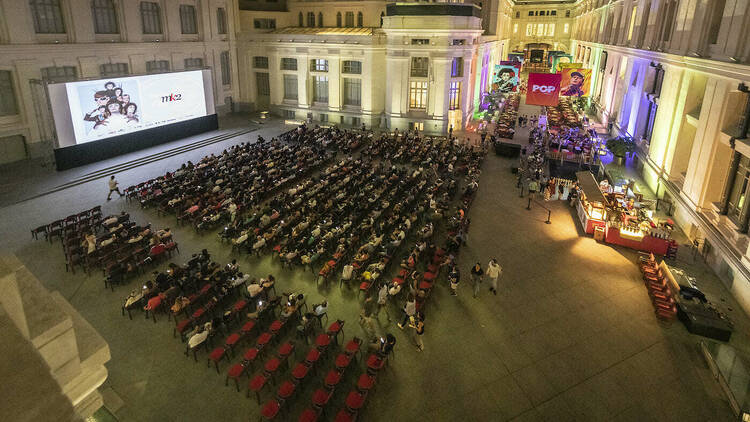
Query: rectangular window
[[264, 23], [567, 13], [288, 63], [529, 29], [565, 28], [113, 69], [288, 114], [531, 13], [319, 65], [221, 20], [457, 67], [323, 118], [105, 17], [8, 105], [194, 63], [540, 29], [47, 16], [320, 89], [459, 42], [515, 28], [418, 95], [454, 96], [157, 66], [551, 30], [150, 17], [739, 190], [290, 87], [420, 41], [352, 66], [187, 19], [420, 67], [352, 92], [350, 19], [264, 87], [554, 13], [60, 74], [226, 76], [260, 62]]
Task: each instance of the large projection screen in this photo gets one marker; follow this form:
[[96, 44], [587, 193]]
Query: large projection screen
[[93, 110]]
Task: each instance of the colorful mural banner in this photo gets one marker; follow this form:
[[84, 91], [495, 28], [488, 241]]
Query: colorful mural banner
[[552, 54], [575, 82], [561, 60], [543, 89], [561, 66], [516, 57], [505, 78]]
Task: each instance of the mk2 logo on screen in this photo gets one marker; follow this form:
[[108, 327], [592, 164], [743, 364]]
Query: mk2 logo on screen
[[544, 89], [171, 97]]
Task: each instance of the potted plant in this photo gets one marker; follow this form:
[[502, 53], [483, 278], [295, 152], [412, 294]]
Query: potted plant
[[620, 146]]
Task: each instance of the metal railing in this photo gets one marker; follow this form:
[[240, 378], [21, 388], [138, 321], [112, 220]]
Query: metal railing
[[549, 212]]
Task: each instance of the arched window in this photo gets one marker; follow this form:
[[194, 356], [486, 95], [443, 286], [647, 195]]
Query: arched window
[[311, 19], [47, 16], [320, 19], [382, 15], [105, 16], [301, 19], [338, 20], [360, 19]]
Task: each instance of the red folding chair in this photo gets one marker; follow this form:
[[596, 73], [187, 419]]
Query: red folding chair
[[235, 372], [256, 384]]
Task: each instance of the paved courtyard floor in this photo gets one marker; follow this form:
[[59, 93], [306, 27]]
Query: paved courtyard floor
[[570, 336]]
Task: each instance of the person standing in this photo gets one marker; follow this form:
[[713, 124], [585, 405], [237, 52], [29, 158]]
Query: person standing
[[533, 186], [113, 187], [454, 276], [418, 326], [410, 308], [383, 301], [365, 318], [494, 270], [477, 273]]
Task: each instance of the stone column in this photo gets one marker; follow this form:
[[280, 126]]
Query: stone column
[[335, 83], [396, 86], [704, 148], [303, 82], [438, 89], [668, 117]]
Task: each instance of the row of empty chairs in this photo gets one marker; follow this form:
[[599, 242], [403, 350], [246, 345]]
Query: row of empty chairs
[[75, 223], [658, 288]]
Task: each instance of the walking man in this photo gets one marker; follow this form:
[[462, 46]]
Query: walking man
[[113, 187], [383, 301], [365, 318], [418, 324], [494, 270], [477, 273]]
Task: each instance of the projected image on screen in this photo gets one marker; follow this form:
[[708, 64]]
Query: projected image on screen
[[105, 108], [115, 107]]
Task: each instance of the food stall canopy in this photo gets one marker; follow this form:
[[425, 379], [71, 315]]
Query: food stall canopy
[[590, 188]]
